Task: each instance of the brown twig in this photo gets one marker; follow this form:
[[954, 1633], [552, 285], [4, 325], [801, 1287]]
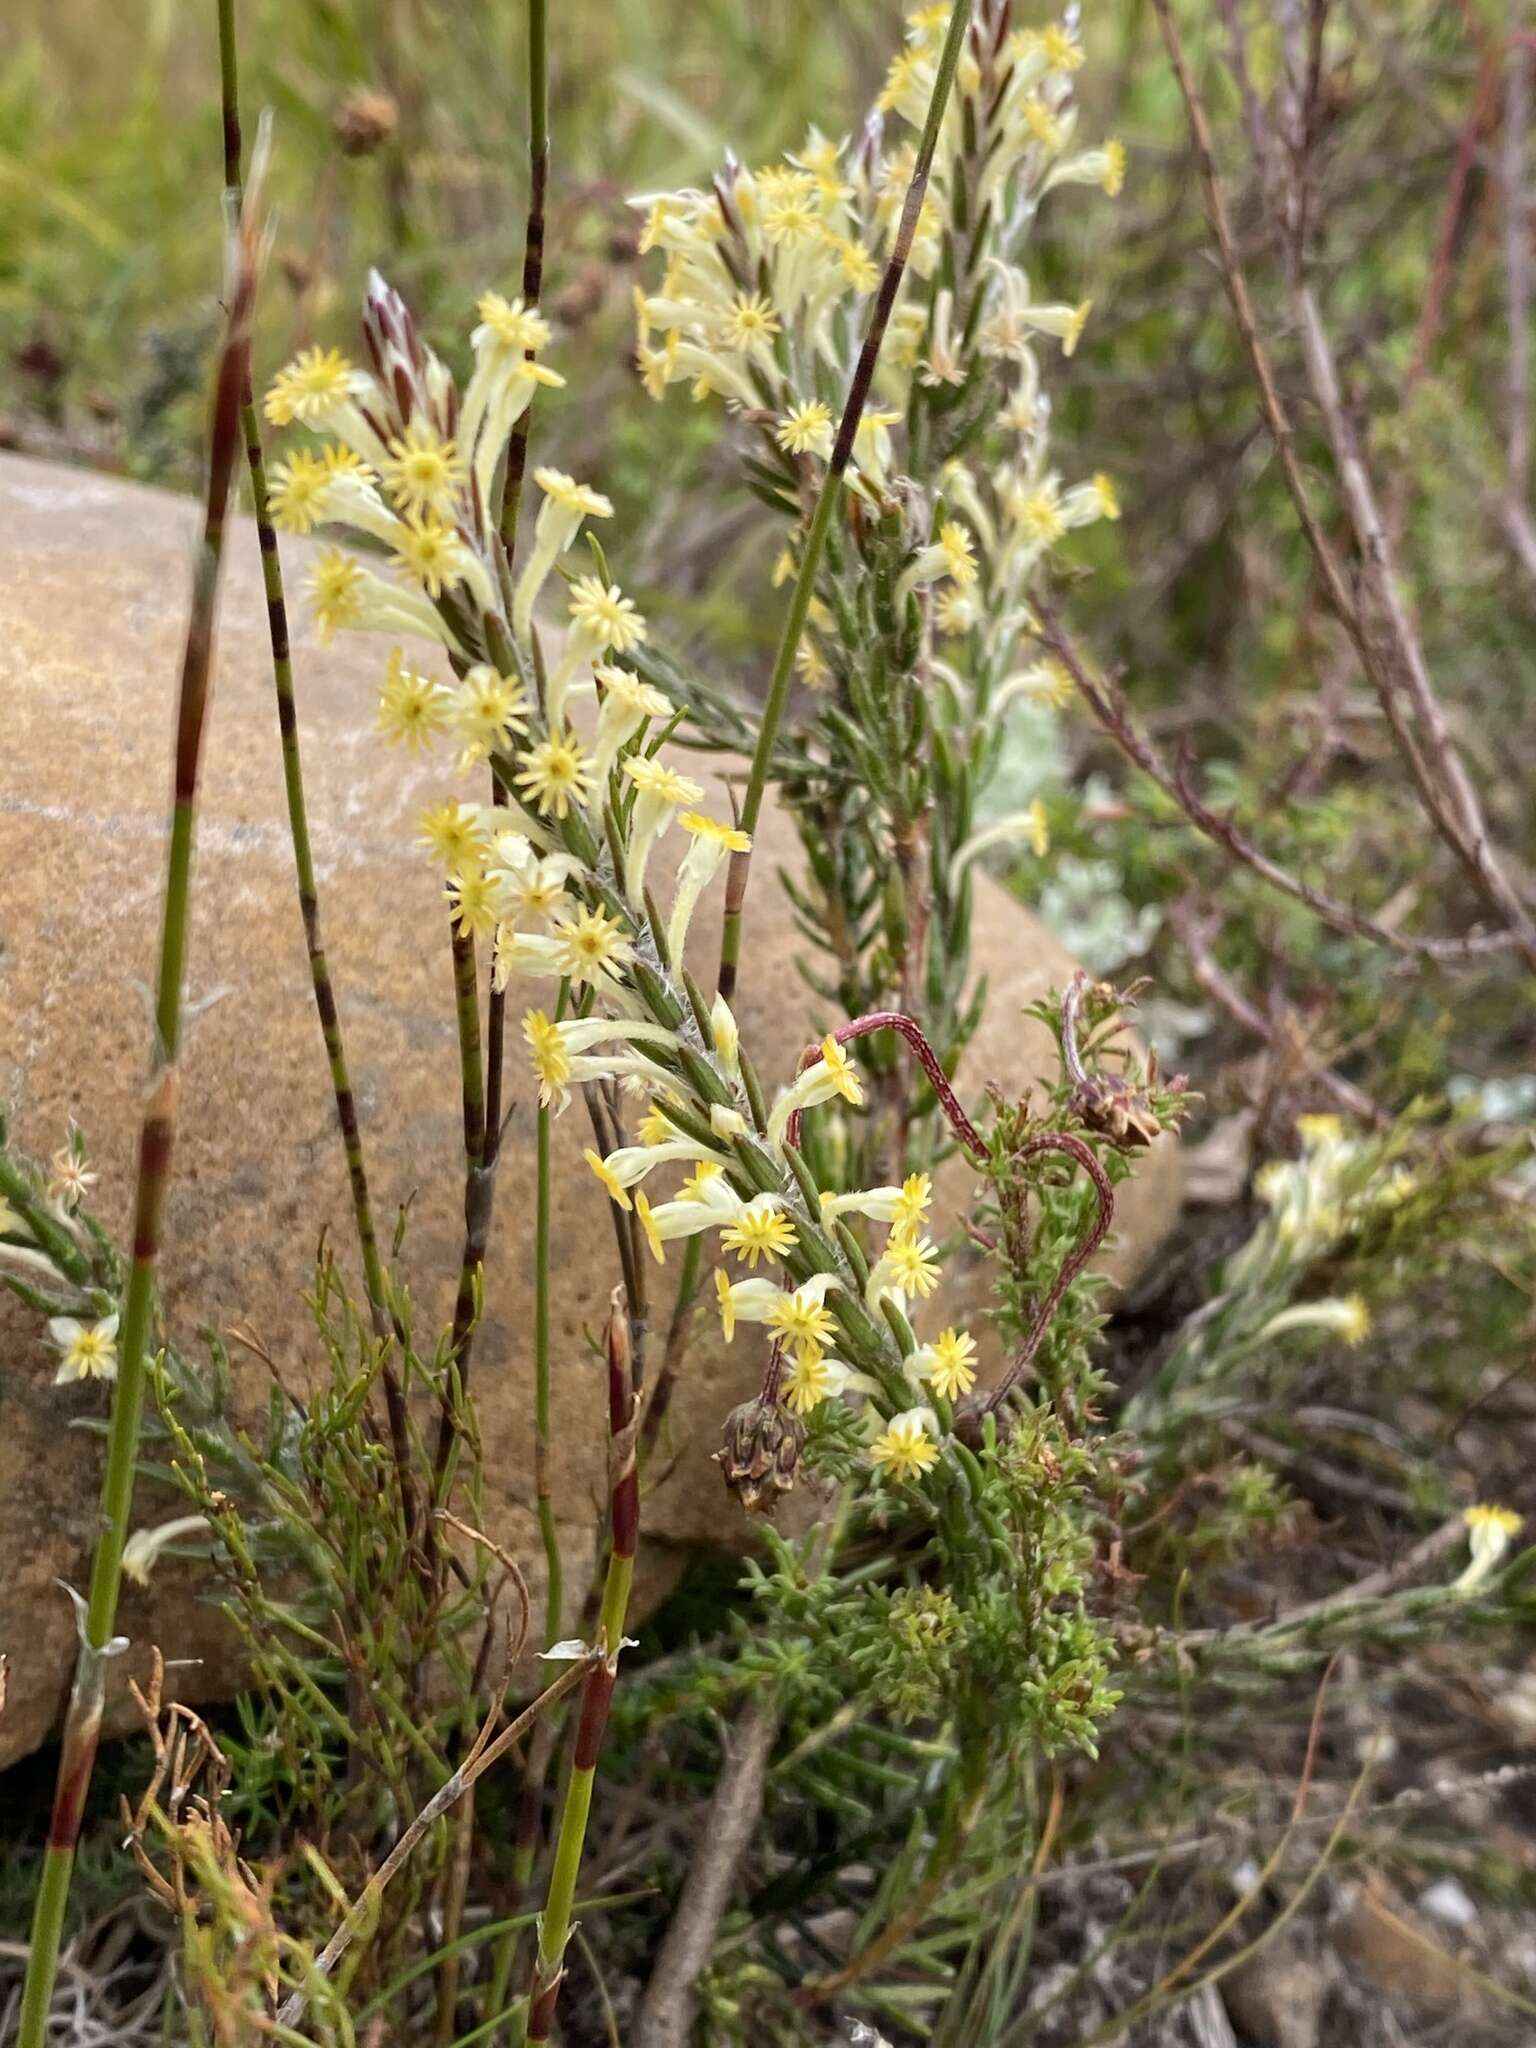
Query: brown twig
[[666, 2011], [1278, 1032], [1517, 255], [1435, 764], [1114, 715]]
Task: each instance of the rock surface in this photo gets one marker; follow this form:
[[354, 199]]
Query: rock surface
[[93, 589]]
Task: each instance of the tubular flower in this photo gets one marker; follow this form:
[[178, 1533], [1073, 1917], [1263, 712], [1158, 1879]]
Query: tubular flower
[[1490, 1531], [833, 1074], [563, 1054], [708, 844], [628, 704], [801, 1320], [806, 430], [905, 1449], [312, 388], [592, 948], [908, 1265], [487, 710], [472, 904], [556, 774], [660, 792], [451, 834], [565, 505], [413, 710], [424, 474], [89, 1349], [761, 1231], [814, 1377], [946, 1364]]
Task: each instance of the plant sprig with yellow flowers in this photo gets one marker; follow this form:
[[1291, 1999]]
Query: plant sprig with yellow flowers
[[917, 657]]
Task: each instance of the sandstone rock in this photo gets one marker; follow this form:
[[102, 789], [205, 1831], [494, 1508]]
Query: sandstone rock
[[93, 587]]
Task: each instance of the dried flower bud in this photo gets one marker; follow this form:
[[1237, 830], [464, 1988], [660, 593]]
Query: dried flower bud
[[760, 1453], [364, 121], [1119, 1113]]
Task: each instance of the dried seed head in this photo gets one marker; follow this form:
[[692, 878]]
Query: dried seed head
[[1119, 1113], [760, 1453], [364, 121]]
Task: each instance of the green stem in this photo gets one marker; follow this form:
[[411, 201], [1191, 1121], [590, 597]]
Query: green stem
[[555, 1922], [829, 497], [298, 833], [82, 1725], [479, 1183], [555, 1570]]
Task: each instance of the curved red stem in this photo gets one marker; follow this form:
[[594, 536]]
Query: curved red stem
[[1077, 1258], [908, 1030]]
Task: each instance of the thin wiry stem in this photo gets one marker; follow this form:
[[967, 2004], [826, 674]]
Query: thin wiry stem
[[533, 245], [554, 1566], [82, 1724], [1175, 781], [453, 1788], [1518, 65], [830, 496], [478, 1184], [298, 832], [555, 1925], [1445, 789]]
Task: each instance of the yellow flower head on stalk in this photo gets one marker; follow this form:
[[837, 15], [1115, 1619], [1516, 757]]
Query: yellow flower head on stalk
[[1114, 168], [805, 430], [1042, 123], [299, 486], [750, 324], [424, 473], [1062, 50], [841, 1072], [472, 902], [336, 592], [1490, 1531], [802, 1322], [605, 617], [90, 1349], [68, 1185], [728, 837], [551, 1061], [905, 1449], [950, 1371], [912, 1263], [912, 1206], [311, 386], [761, 1231], [813, 1378], [556, 774], [959, 552], [654, 1128], [1104, 490], [488, 708], [593, 947], [1039, 516], [413, 710], [509, 327], [430, 550], [451, 834]]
